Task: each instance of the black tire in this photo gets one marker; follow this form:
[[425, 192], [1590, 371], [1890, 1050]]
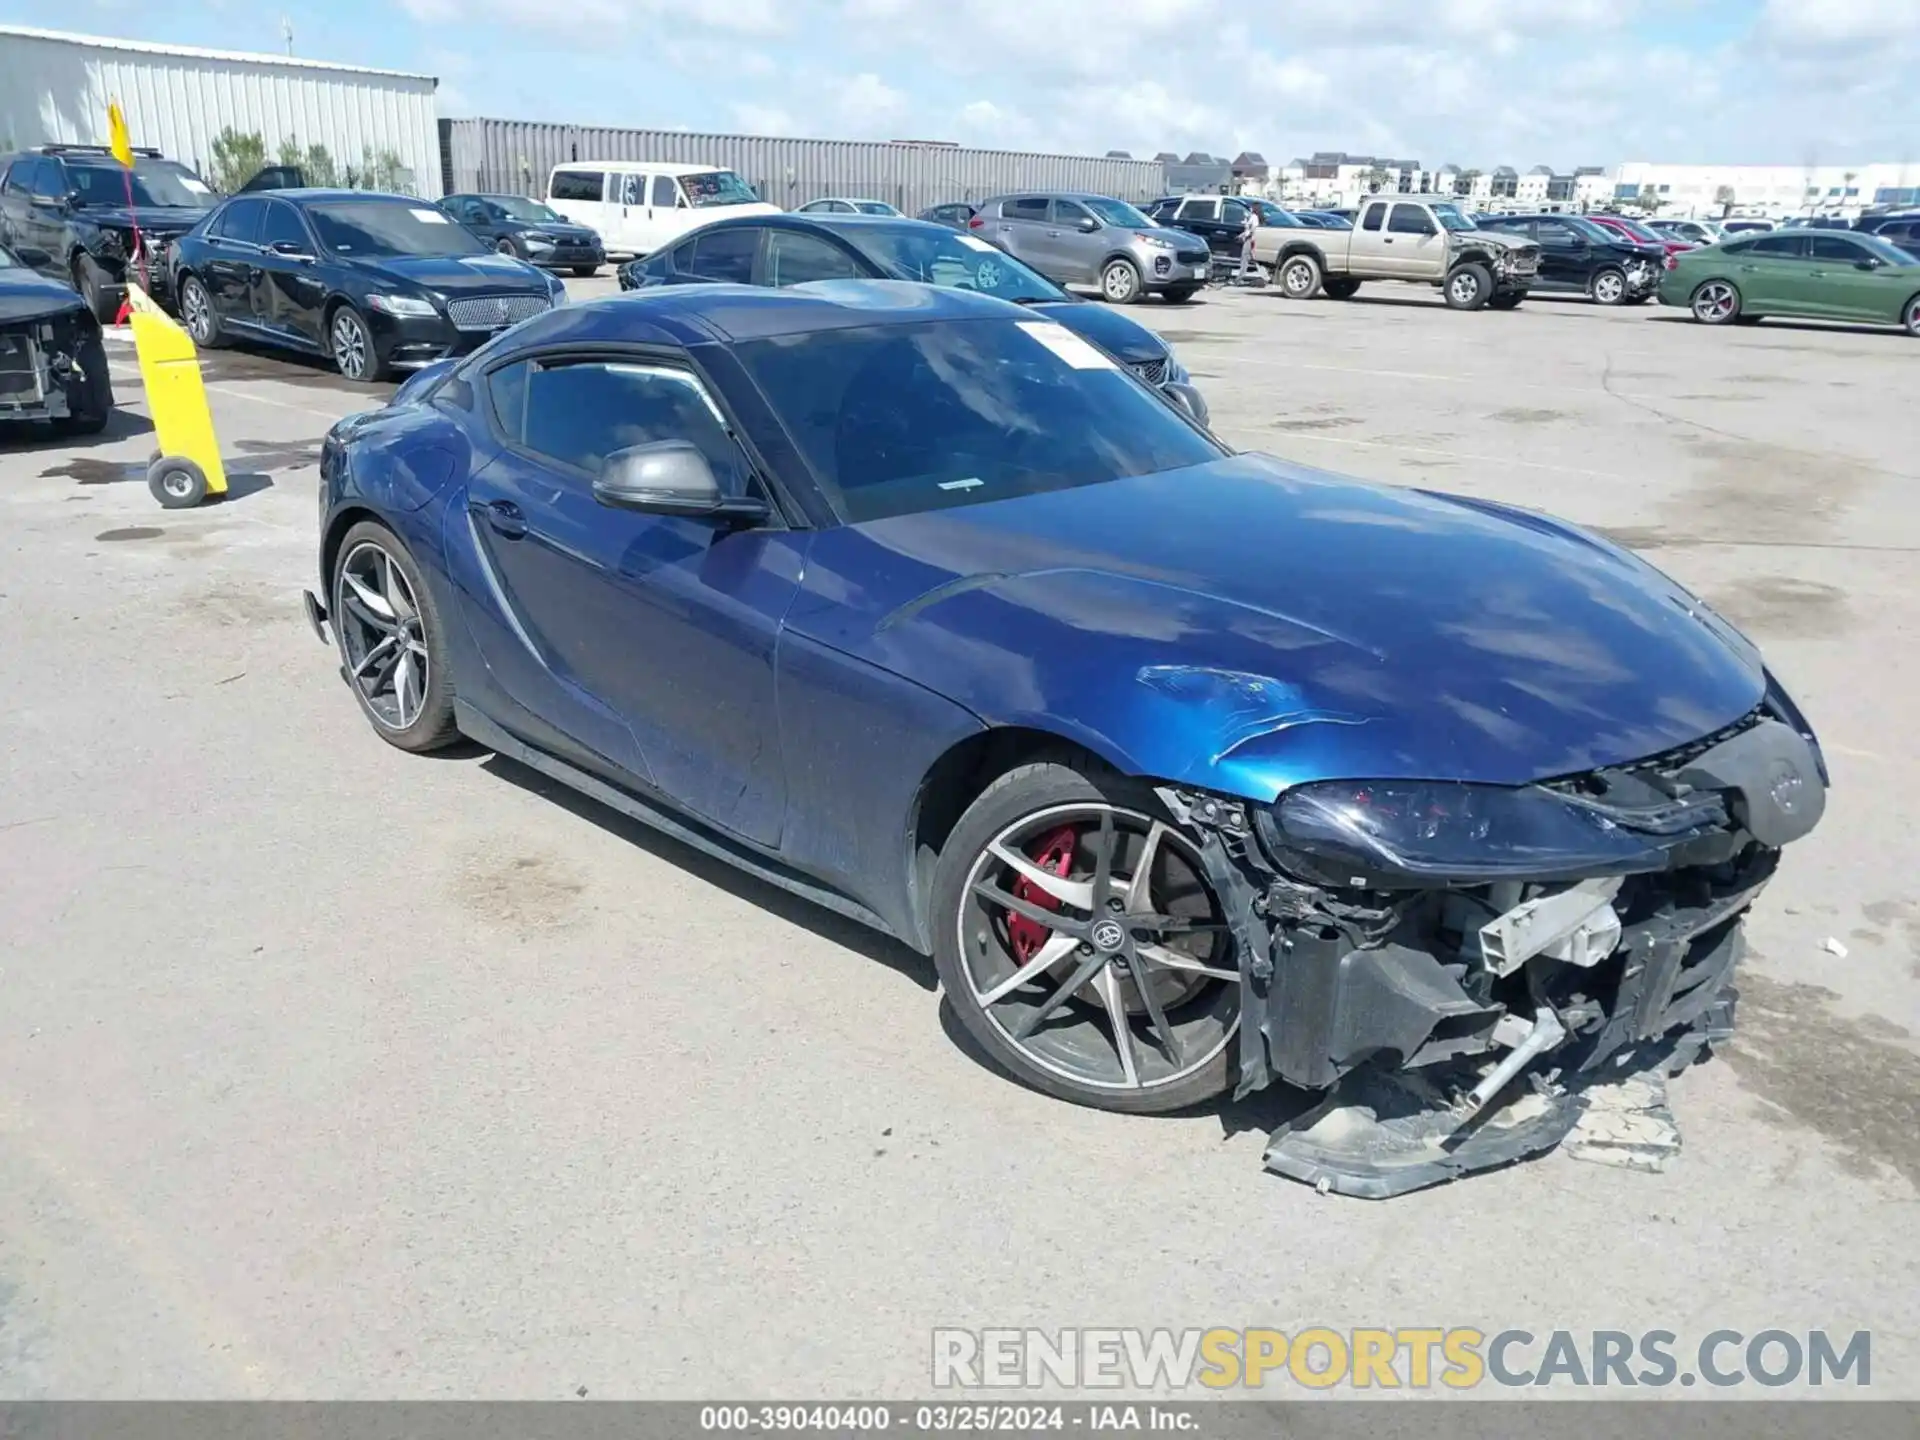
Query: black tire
[[1342, 287], [506, 246], [1181, 294], [359, 362], [1508, 300], [178, 484], [1637, 299], [1030, 792], [91, 282], [432, 726], [586, 272], [90, 402], [1120, 282], [197, 314], [1608, 286], [1469, 287], [1910, 316], [1716, 302], [1301, 277]]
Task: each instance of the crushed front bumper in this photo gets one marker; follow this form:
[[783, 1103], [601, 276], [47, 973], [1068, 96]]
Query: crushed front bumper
[[42, 367], [1471, 988]]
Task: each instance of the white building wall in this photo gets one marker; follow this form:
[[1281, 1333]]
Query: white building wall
[[1688, 191], [54, 88]]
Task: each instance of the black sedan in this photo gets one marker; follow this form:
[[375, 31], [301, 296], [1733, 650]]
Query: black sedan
[[515, 225], [53, 365], [376, 283], [1580, 256], [783, 250]]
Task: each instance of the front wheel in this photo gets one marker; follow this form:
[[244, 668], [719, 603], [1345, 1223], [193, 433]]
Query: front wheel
[[506, 246], [585, 272], [1469, 287], [1079, 942], [91, 282], [1300, 278], [354, 355], [392, 650], [90, 401], [1910, 317], [1716, 303], [1120, 282], [1342, 287]]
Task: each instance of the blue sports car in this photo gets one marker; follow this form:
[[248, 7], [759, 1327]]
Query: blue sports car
[[1191, 770]]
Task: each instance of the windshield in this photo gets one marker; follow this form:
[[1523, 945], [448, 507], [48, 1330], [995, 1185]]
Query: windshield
[[945, 257], [718, 187], [1271, 214], [390, 227], [1640, 232], [900, 419], [1591, 232], [1117, 212], [1884, 248], [160, 184], [521, 208], [1452, 216]]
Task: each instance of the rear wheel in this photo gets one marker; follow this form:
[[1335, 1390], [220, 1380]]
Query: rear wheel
[[391, 648], [1469, 287], [1300, 277], [1716, 302], [1080, 944], [196, 309], [1342, 287], [1120, 282]]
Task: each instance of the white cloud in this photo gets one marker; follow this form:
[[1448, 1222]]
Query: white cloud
[[763, 120], [868, 103]]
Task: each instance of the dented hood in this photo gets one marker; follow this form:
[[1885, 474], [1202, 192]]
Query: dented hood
[[25, 295], [1248, 625]]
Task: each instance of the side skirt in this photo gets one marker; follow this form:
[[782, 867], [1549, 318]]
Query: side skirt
[[481, 730]]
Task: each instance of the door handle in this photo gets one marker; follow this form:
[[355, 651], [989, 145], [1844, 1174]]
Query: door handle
[[1748, 269], [1387, 240], [505, 517], [1816, 274], [1054, 233]]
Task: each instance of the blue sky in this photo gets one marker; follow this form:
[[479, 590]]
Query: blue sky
[[1471, 82]]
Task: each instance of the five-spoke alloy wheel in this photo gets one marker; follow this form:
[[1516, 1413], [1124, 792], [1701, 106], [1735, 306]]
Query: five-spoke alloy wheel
[[1084, 947], [389, 640], [1716, 303]]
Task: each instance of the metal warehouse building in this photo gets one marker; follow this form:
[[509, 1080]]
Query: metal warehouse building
[[54, 88], [509, 156]]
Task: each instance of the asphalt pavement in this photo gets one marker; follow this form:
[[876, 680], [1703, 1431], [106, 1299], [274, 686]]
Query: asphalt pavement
[[329, 1071]]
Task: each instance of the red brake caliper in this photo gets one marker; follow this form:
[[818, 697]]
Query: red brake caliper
[[1054, 854]]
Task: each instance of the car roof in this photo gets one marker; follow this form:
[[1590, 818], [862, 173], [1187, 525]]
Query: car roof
[[828, 220], [1041, 192], [693, 315], [652, 167], [316, 193]]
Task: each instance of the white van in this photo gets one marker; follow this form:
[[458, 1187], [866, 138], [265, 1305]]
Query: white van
[[640, 206]]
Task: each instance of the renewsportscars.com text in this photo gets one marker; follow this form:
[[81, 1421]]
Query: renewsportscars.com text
[[1414, 1358]]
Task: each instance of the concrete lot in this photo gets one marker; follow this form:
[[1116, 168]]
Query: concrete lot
[[330, 1071]]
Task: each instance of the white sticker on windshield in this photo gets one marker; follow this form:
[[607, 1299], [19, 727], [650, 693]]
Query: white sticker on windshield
[[973, 242], [428, 217], [194, 185], [1067, 345]]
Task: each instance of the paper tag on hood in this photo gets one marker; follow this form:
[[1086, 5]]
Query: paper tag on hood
[[1067, 345]]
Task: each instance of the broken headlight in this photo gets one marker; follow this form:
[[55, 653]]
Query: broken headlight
[[1386, 832]]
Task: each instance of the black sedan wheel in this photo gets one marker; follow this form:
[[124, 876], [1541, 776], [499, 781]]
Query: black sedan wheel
[[1080, 943], [1716, 303], [352, 345], [586, 272], [391, 649], [196, 309], [506, 246]]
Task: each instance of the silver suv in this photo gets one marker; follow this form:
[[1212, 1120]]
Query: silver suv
[[1079, 239]]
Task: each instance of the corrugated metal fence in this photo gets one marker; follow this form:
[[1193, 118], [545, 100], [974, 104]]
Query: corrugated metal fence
[[514, 157], [55, 88]]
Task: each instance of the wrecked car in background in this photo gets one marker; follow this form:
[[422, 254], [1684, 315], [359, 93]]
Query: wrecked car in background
[[53, 363], [1193, 771]]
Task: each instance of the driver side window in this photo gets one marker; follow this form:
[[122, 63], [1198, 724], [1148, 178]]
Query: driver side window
[[576, 413], [794, 259]]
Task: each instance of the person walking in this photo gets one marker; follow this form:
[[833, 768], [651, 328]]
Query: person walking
[[1246, 271]]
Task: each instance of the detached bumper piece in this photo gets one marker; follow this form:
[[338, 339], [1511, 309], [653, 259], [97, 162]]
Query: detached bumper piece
[[1458, 1025]]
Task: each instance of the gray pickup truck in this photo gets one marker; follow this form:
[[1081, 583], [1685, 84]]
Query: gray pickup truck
[[1421, 239]]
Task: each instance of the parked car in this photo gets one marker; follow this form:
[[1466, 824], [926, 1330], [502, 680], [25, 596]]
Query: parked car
[[955, 216], [1190, 770], [842, 205], [53, 365], [1423, 240], [1746, 225], [1633, 230], [1220, 220], [1578, 255], [797, 249], [515, 225], [1900, 230], [638, 206], [1081, 239], [377, 283], [1696, 232], [1815, 274], [64, 213], [1323, 219]]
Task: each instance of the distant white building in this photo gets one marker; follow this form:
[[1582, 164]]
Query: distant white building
[[1776, 191]]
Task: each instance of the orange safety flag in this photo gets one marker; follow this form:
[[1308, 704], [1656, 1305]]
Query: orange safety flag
[[118, 140]]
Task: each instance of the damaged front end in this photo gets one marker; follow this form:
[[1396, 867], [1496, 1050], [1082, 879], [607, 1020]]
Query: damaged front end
[[48, 366], [1424, 945]]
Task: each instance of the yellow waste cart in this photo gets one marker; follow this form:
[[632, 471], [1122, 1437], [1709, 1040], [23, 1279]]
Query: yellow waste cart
[[186, 469]]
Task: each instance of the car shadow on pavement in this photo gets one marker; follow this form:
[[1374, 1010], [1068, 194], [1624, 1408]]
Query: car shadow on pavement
[[792, 908], [1812, 327], [27, 436]]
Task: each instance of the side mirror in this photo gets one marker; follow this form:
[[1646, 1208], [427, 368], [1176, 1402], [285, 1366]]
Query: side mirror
[[1186, 398], [669, 477], [1087, 225], [1870, 263]]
